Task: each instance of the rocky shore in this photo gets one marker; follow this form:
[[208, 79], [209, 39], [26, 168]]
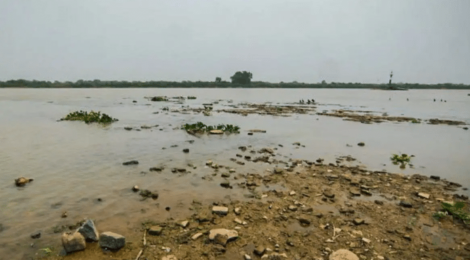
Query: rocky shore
[[319, 211]]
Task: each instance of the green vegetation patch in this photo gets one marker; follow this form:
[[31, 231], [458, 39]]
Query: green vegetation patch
[[201, 128], [403, 158], [456, 210], [92, 117]]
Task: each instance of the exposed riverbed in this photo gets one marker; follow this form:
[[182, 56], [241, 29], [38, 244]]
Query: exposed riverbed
[[74, 164]]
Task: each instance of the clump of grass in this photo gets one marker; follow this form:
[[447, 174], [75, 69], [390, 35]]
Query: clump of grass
[[456, 210], [401, 159], [415, 121], [201, 128], [92, 117]]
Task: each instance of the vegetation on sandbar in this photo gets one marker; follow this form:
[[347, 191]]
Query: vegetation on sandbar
[[201, 128], [92, 117], [456, 210]]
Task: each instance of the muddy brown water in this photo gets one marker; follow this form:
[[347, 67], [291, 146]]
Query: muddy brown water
[[74, 164]]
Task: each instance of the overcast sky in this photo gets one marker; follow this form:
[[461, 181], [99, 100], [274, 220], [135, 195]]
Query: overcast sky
[[425, 41]]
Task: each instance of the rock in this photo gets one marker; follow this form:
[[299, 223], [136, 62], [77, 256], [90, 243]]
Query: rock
[[185, 150], [278, 170], [436, 178], [230, 234], [405, 204], [155, 230], [343, 254], [304, 221], [407, 237], [36, 235], [225, 184], [378, 202], [209, 163], [247, 257], [216, 132], [128, 128], [250, 133], [361, 144], [237, 211], [328, 193], [184, 224], [225, 175], [196, 236], [220, 210], [135, 188], [358, 221], [274, 256], [112, 241], [221, 239], [423, 195], [73, 242], [21, 181], [259, 250], [89, 232], [292, 208], [266, 150], [355, 192], [149, 194], [169, 257], [156, 169], [133, 162]]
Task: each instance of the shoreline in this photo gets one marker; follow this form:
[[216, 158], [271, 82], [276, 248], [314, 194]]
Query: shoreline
[[319, 210]]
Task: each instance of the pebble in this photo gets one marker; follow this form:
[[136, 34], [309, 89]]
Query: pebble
[[220, 210], [358, 221], [423, 195], [135, 188], [259, 250], [405, 204], [237, 211], [247, 257], [36, 235], [155, 230], [184, 223], [230, 234], [361, 144], [196, 236], [185, 150]]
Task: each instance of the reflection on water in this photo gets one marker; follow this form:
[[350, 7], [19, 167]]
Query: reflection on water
[[74, 164]]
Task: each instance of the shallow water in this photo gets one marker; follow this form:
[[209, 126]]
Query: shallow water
[[73, 164]]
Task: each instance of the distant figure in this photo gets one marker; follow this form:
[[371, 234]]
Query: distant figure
[[445, 101], [407, 100], [308, 101], [434, 100], [441, 100], [313, 100], [389, 99]]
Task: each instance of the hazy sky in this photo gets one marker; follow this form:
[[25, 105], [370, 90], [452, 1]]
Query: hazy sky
[[425, 41]]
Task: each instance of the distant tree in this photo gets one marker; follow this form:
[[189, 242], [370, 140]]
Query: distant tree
[[218, 79], [323, 82], [242, 77]]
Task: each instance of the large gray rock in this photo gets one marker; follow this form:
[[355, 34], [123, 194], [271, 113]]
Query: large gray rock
[[73, 242], [88, 230], [112, 240], [343, 254]]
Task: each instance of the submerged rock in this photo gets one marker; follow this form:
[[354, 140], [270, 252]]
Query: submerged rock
[[149, 194], [112, 240], [89, 232], [21, 181], [133, 162], [361, 144], [36, 235], [73, 242]]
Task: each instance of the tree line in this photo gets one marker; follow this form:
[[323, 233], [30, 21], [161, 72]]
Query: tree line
[[238, 80]]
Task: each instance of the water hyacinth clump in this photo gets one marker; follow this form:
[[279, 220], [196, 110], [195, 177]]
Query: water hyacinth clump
[[201, 128], [92, 117]]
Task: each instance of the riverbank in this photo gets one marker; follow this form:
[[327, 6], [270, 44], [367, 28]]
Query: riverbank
[[317, 210]]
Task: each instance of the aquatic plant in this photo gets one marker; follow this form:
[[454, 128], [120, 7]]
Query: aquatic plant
[[191, 97], [403, 158], [159, 99], [92, 117], [415, 121], [456, 210], [200, 128]]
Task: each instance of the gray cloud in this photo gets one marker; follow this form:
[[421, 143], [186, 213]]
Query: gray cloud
[[426, 41]]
